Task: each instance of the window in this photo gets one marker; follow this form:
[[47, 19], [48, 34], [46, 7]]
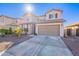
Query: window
[[56, 15], [50, 16]]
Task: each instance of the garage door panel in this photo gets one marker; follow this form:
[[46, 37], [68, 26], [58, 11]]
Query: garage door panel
[[49, 30]]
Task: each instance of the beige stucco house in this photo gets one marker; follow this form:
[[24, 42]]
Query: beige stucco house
[[72, 30], [50, 23], [6, 21]]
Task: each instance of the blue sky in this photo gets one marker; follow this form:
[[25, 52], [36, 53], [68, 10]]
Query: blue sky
[[16, 10]]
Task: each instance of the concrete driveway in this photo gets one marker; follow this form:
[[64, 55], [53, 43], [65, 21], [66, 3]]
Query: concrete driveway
[[39, 46]]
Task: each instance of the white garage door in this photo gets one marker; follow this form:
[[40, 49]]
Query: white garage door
[[53, 30]]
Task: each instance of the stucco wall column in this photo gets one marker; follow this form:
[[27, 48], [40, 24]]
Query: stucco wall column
[[74, 32], [65, 32], [61, 30]]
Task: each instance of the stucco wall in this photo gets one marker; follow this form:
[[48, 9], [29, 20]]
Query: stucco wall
[[6, 21], [74, 32]]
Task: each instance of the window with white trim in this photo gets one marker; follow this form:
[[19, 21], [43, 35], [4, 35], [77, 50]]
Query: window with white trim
[[51, 16]]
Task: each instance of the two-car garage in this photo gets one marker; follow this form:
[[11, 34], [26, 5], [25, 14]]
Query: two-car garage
[[48, 29]]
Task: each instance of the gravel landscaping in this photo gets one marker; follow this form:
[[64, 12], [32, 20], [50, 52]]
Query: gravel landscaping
[[4, 45], [73, 44], [9, 41]]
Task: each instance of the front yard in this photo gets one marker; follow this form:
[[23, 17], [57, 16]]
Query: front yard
[[9, 37]]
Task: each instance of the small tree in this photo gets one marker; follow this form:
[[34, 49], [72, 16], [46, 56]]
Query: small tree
[[18, 32]]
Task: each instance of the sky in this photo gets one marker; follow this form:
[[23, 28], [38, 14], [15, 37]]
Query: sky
[[16, 10]]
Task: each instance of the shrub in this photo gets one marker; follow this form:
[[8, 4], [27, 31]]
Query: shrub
[[5, 31], [18, 31]]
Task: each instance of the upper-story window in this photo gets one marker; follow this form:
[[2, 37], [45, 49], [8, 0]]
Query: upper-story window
[[56, 15], [50, 16]]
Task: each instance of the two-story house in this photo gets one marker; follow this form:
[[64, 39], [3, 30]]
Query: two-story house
[[6, 21], [51, 23]]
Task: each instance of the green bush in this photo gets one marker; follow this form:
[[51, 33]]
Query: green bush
[[5, 31]]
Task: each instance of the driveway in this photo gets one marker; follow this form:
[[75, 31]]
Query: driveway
[[39, 46]]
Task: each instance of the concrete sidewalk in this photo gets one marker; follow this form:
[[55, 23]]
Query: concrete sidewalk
[[40, 46]]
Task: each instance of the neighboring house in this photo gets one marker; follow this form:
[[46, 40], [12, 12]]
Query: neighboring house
[[6, 22], [72, 30], [51, 23]]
